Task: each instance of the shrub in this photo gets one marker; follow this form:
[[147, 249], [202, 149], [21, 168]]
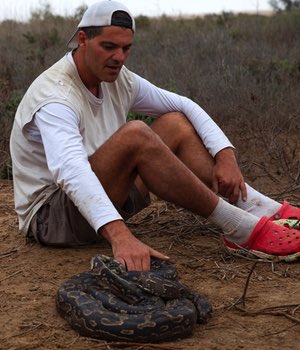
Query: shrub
[[244, 70]]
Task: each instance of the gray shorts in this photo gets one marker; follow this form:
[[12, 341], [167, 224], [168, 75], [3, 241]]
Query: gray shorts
[[59, 223]]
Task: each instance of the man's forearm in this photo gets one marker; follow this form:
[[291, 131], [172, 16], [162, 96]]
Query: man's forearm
[[115, 231], [226, 154]]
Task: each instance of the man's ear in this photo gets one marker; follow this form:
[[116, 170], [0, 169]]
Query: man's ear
[[82, 38]]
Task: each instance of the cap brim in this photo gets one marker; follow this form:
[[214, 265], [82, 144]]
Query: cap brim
[[73, 42]]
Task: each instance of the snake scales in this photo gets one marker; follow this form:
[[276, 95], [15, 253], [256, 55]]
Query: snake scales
[[111, 303]]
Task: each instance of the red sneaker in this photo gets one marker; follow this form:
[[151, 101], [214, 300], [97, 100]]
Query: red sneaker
[[287, 211], [270, 241]]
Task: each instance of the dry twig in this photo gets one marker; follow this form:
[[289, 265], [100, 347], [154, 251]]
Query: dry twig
[[139, 345]]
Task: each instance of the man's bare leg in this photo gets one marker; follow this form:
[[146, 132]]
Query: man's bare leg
[[179, 135], [221, 174], [177, 132], [135, 149]]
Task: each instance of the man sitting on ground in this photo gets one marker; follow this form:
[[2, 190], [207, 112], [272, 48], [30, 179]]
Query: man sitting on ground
[[80, 170]]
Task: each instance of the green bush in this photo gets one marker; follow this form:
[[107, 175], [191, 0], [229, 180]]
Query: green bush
[[135, 116]]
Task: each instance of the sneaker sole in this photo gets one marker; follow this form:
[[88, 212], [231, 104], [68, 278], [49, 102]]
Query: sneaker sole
[[261, 255]]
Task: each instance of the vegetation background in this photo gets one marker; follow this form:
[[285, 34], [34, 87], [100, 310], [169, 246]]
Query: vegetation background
[[244, 70]]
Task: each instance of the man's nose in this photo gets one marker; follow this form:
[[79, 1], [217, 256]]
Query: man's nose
[[119, 55]]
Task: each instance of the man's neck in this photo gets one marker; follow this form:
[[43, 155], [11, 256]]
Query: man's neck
[[92, 85]]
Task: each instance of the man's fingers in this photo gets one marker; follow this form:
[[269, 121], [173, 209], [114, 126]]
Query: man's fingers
[[122, 261], [141, 261], [215, 186], [129, 264], [158, 255], [146, 264], [243, 189], [135, 263], [234, 196]]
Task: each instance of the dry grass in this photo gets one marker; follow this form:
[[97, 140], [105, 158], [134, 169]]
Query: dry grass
[[244, 70], [255, 304]]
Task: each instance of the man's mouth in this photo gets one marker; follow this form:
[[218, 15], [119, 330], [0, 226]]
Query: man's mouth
[[115, 68]]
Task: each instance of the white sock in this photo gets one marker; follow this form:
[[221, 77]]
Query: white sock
[[237, 224], [258, 204]]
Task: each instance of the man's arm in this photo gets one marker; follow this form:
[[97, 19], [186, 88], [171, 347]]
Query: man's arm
[[153, 101], [227, 179], [127, 249], [68, 162]]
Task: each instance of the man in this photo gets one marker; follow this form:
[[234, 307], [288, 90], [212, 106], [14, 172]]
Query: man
[[80, 170]]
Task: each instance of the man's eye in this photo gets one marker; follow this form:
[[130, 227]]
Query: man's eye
[[108, 47]]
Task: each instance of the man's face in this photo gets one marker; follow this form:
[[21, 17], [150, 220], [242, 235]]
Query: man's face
[[105, 54]]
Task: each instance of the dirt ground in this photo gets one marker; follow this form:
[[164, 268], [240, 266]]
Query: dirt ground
[[31, 274]]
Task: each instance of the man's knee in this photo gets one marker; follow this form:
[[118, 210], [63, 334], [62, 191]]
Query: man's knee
[[135, 131], [176, 123], [126, 140], [123, 147], [174, 128]]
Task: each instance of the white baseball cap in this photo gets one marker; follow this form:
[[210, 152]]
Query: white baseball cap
[[100, 14]]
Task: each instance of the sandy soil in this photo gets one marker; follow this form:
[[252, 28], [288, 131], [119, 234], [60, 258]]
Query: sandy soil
[[31, 274]]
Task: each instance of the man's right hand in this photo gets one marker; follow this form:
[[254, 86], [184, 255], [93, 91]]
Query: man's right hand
[[127, 249], [227, 179]]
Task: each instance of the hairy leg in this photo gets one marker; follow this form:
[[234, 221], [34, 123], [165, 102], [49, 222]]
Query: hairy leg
[[135, 149], [177, 132], [179, 135], [170, 160]]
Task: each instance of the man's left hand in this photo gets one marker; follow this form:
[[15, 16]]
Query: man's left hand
[[227, 178]]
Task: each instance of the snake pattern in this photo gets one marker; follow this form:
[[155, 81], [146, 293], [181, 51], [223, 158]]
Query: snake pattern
[[113, 304]]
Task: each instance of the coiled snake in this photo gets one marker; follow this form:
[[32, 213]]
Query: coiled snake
[[111, 303]]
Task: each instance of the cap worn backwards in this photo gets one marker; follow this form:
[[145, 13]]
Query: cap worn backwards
[[100, 14]]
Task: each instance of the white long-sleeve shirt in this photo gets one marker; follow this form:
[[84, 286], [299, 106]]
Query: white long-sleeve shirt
[[57, 127]]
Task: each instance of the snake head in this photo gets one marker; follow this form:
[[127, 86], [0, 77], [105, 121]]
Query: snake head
[[100, 261]]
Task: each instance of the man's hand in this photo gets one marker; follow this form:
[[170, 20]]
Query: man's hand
[[127, 249], [227, 178]]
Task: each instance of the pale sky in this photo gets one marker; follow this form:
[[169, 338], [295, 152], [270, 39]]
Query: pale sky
[[21, 9]]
